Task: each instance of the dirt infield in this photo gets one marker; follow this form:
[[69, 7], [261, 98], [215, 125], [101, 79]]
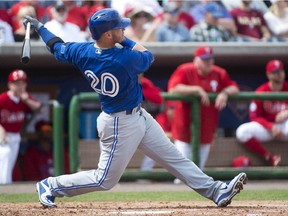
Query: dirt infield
[[243, 208]]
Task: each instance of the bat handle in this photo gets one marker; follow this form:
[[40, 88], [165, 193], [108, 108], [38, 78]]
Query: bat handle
[[27, 33]]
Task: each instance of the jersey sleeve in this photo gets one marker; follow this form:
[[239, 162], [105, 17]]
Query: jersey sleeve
[[256, 113], [136, 60], [151, 92]]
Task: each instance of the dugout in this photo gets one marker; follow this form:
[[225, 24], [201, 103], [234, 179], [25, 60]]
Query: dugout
[[245, 62]]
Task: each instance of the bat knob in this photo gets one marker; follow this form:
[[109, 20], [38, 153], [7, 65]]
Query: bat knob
[[25, 60]]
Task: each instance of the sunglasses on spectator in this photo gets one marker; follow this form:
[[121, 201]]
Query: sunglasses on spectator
[[141, 14]]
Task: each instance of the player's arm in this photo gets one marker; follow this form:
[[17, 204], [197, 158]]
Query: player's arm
[[222, 97], [191, 90], [32, 104], [140, 59]]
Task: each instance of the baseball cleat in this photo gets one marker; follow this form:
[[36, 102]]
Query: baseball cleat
[[44, 194], [274, 160], [229, 189]]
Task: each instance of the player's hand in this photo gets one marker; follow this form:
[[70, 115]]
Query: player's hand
[[276, 132], [221, 101], [281, 116], [24, 96], [204, 96], [35, 24]]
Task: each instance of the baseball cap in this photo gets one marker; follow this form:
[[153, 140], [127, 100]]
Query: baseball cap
[[59, 6], [204, 52], [241, 162], [215, 9], [17, 75], [274, 65]]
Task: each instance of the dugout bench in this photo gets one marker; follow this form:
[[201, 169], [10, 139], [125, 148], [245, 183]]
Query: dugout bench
[[222, 153]]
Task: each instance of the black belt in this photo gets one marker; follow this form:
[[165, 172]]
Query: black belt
[[129, 112]]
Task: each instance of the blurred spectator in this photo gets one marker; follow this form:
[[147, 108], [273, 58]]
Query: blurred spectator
[[277, 18], [90, 7], [209, 29], [7, 4], [123, 5], [69, 32], [170, 29], [6, 31], [38, 160], [14, 11], [4, 16], [226, 21], [74, 14], [251, 25], [19, 34], [199, 77], [268, 119], [184, 17], [140, 27]]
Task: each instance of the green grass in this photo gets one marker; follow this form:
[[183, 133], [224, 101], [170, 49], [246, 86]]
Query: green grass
[[147, 196]]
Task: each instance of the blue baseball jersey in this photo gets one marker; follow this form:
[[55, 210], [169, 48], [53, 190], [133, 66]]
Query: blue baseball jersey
[[112, 73]]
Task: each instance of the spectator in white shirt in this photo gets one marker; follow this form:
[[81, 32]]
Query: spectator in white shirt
[[69, 32]]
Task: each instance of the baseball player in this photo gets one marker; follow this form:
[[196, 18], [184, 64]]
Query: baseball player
[[123, 126], [199, 77], [14, 105], [269, 119]]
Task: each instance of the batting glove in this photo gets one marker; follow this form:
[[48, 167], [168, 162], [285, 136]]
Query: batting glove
[[35, 24]]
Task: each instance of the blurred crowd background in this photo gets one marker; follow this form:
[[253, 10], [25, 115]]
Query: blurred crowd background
[[154, 21]]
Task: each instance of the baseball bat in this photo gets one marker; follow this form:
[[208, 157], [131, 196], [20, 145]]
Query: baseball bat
[[26, 48]]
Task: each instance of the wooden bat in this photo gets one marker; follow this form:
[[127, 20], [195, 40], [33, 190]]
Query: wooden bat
[[26, 48]]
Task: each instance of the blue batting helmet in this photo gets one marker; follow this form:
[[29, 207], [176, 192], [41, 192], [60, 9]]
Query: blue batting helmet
[[105, 20]]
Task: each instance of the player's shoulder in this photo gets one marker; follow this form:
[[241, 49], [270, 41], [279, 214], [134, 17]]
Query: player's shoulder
[[285, 86]]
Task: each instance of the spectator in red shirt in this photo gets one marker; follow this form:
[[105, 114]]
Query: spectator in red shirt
[[250, 23], [269, 119]]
